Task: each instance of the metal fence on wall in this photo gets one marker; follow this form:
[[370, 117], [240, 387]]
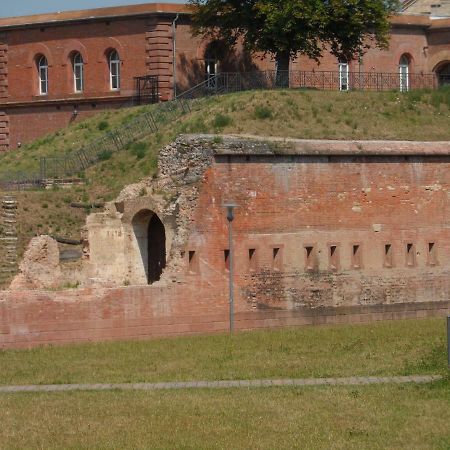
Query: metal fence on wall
[[71, 164], [74, 163], [223, 83]]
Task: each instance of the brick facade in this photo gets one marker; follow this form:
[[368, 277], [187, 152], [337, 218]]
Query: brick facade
[[325, 232], [143, 37]]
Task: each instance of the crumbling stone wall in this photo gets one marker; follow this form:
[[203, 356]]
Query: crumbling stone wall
[[114, 257], [40, 266]]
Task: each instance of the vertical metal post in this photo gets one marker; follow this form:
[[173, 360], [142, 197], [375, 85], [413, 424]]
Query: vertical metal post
[[230, 244], [230, 217], [448, 341]]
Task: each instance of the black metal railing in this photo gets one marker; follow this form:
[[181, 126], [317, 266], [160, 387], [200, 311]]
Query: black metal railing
[[74, 163], [146, 90], [77, 161], [223, 83]]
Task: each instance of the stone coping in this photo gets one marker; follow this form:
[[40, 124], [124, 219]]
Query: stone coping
[[247, 144]]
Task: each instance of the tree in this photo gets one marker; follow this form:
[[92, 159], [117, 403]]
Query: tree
[[286, 28]]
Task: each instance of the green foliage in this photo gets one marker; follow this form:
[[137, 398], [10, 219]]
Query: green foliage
[[139, 149], [440, 97], [222, 121], [263, 112], [287, 28], [104, 155], [103, 125]]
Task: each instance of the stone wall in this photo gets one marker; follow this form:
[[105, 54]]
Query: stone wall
[[325, 231], [8, 239]]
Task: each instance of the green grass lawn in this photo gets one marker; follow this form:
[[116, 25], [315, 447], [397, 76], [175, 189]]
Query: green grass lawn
[[384, 348], [370, 417], [357, 417]]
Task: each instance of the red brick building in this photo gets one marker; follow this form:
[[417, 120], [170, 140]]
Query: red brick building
[[59, 68]]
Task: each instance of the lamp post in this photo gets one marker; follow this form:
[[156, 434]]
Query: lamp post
[[230, 217], [448, 341]]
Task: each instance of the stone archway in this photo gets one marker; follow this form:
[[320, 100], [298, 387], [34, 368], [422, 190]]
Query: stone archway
[[150, 235]]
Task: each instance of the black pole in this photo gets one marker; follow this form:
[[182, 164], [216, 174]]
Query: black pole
[[448, 341]]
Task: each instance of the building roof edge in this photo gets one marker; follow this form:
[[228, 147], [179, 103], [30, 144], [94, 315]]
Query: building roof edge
[[94, 14]]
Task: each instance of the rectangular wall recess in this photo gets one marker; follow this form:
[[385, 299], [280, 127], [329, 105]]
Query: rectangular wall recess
[[277, 258], [193, 265], [311, 262], [410, 254], [356, 256], [252, 260], [432, 254], [388, 258], [226, 259], [333, 257]]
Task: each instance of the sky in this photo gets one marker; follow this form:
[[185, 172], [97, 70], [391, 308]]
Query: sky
[[27, 7]]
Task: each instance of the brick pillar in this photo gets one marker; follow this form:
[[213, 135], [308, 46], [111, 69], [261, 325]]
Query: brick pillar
[[4, 119], [159, 53]]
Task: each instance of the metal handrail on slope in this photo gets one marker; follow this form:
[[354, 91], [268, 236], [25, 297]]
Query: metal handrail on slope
[[221, 83]]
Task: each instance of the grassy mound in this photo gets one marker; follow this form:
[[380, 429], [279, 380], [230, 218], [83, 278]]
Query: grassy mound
[[418, 115]]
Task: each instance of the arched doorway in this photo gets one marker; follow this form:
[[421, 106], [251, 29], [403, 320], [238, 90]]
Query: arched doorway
[[151, 240], [215, 51], [156, 249], [443, 73]]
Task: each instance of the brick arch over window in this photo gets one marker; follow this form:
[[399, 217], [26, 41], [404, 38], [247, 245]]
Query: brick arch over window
[[110, 45], [404, 51], [39, 49], [71, 48]]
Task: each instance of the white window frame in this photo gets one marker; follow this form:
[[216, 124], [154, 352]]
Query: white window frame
[[211, 66], [43, 75], [343, 69], [114, 63], [403, 73], [78, 64]]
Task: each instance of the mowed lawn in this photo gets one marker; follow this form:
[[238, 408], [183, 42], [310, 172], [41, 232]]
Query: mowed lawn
[[371, 417], [384, 348], [392, 416]]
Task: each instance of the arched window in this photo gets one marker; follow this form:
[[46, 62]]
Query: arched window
[[42, 65], [343, 75], [403, 69], [78, 75], [214, 53], [114, 70]]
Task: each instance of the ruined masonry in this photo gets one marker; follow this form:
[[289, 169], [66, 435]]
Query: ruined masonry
[[8, 238]]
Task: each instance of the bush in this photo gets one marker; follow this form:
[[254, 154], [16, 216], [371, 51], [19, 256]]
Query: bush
[[105, 155], [103, 125], [263, 112], [222, 121], [139, 149]]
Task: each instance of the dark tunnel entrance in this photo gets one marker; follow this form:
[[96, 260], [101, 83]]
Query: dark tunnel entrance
[[156, 249]]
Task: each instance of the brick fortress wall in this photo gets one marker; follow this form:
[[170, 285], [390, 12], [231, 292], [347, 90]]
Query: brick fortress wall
[[325, 232]]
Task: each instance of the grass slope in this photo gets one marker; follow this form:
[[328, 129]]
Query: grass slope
[[418, 115], [379, 349]]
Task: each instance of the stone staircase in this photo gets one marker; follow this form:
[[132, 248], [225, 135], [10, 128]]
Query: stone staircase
[[8, 239]]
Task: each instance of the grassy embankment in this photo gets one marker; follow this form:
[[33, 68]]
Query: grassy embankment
[[299, 114], [369, 417]]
